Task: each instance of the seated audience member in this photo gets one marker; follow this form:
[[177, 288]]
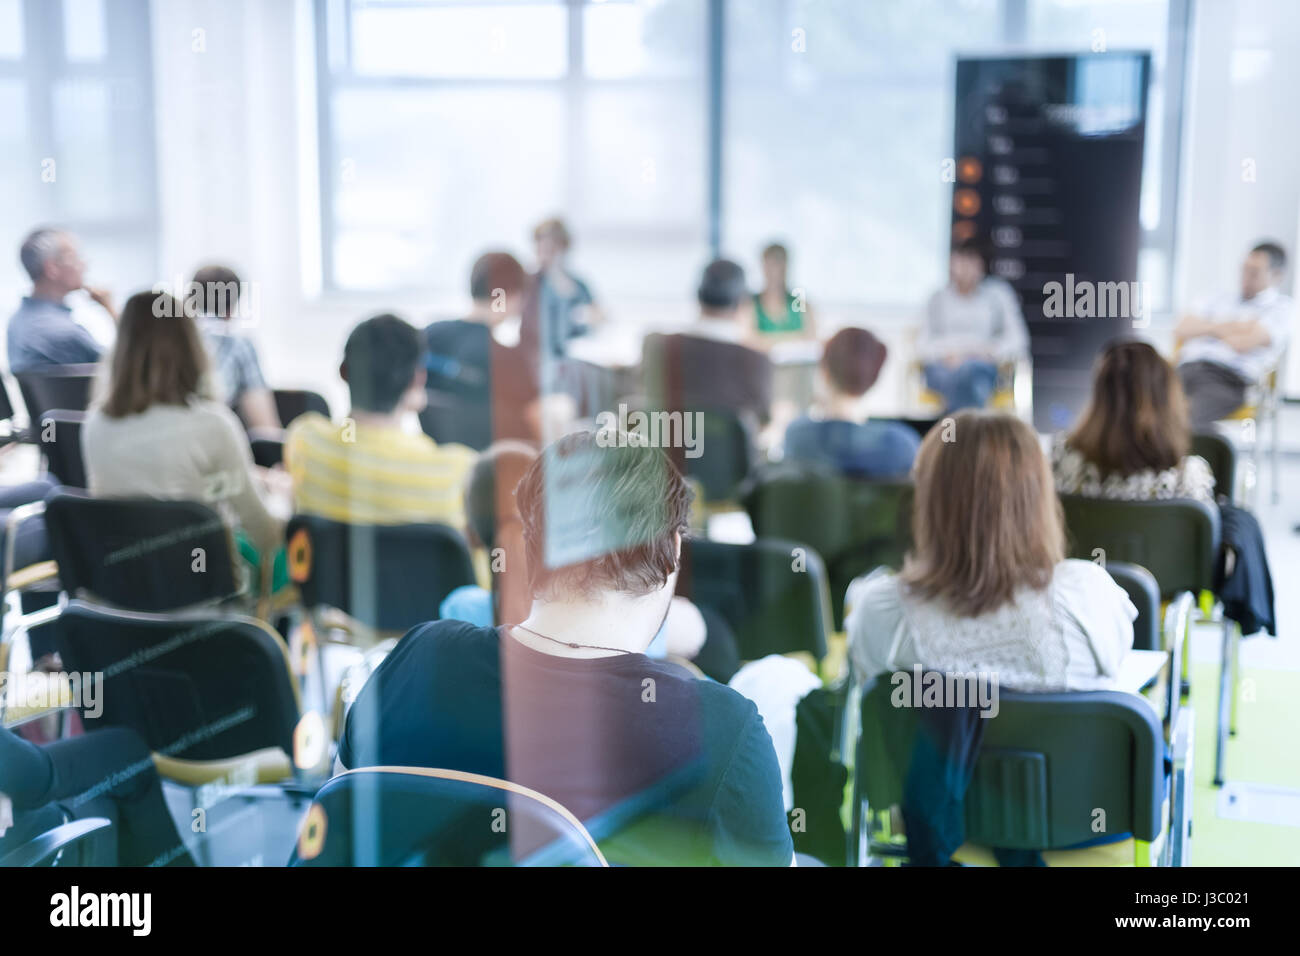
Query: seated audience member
[[561, 702], [972, 324], [1133, 442], [1236, 340], [986, 586], [461, 353], [839, 434], [566, 303], [779, 312], [1133, 439], [42, 332], [105, 773], [708, 365], [237, 371], [687, 633], [368, 469], [157, 433]]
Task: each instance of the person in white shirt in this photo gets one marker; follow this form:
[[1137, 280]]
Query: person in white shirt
[[1235, 340], [986, 586], [971, 325]]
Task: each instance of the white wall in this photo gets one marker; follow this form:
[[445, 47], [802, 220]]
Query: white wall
[[1243, 77]]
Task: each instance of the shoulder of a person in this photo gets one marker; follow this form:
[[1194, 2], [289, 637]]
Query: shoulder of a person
[[441, 637], [217, 414], [881, 588], [1079, 574]]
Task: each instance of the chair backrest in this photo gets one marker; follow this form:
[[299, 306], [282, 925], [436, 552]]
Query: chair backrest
[[203, 687], [856, 526], [1221, 456], [56, 386], [388, 577], [772, 593], [140, 553], [69, 844], [1176, 540], [414, 816], [6, 404], [60, 436], [290, 403], [1142, 589], [1047, 763]]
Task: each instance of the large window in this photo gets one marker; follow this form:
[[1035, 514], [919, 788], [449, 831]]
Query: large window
[[452, 127], [76, 133], [655, 125]]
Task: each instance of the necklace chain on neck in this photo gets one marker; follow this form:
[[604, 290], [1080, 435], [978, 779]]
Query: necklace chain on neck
[[571, 644]]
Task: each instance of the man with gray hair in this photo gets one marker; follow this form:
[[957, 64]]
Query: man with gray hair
[[42, 332]]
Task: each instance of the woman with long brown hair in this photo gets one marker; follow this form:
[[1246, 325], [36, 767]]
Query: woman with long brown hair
[[1133, 440], [986, 586], [156, 431]]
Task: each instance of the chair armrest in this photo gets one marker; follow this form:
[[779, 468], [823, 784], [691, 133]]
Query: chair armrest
[[53, 842], [1178, 617], [16, 518], [1182, 747]]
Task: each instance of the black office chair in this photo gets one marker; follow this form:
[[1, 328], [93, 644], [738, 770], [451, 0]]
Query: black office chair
[[1047, 763], [140, 553], [415, 816], [56, 386], [65, 845], [856, 526], [211, 694], [1221, 456], [290, 403], [389, 578], [59, 431], [772, 593]]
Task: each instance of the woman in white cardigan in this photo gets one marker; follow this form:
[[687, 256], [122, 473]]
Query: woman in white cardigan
[[986, 586], [156, 433]]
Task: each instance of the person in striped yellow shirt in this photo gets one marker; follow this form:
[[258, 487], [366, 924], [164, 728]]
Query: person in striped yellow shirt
[[367, 469]]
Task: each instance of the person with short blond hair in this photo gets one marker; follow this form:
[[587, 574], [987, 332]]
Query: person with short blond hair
[[986, 586]]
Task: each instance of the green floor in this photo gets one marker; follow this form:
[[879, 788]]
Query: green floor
[[1266, 750]]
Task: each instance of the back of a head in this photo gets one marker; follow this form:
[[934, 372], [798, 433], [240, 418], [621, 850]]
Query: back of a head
[[215, 291], [158, 358], [1275, 252], [380, 360], [600, 518], [39, 246], [1137, 416], [986, 520], [852, 360], [496, 274], [489, 495], [722, 286]]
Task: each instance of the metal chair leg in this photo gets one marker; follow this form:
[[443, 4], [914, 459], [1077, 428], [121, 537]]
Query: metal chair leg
[[1226, 680], [1236, 682], [1273, 452]]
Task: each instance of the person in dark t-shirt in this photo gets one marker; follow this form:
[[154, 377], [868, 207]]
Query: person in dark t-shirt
[[462, 354], [662, 767]]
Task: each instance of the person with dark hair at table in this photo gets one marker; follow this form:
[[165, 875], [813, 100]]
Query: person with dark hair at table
[[972, 325], [839, 433], [709, 363], [369, 469], [1236, 340], [235, 366], [43, 332], [566, 701], [106, 773], [460, 353]]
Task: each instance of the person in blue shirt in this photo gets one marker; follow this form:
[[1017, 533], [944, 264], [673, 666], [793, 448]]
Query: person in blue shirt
[[838, 433], [42, 332]]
